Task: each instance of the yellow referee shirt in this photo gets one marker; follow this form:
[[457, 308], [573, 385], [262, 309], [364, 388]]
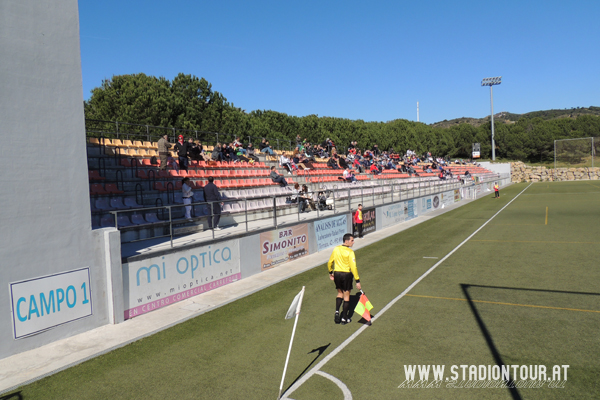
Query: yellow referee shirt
[[343, 260]]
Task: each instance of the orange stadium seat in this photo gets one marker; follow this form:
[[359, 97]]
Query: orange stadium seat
[[112, 188], [97, 189], [95, 175]]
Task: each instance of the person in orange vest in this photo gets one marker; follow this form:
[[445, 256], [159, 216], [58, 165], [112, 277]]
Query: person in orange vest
[[496, 190], [358, 220]]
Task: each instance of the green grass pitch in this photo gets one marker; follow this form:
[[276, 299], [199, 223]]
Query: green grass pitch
[[525, 290]]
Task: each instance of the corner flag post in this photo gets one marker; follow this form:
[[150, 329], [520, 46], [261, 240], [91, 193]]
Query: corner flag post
[[294, 309]]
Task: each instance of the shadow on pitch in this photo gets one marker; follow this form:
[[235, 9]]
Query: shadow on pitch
[[486, 334], [12, 396], [319, 351], [514, 392]]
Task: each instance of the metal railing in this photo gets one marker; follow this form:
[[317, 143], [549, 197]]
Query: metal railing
[[269, 211]]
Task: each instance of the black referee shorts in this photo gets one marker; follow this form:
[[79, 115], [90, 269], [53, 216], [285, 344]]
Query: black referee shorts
[[343, 280]]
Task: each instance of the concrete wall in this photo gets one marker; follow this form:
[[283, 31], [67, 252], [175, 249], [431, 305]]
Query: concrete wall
[[45, 213], [499, 168]]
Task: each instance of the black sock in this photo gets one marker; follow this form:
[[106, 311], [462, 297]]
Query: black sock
[[345, 312], [338, 303]]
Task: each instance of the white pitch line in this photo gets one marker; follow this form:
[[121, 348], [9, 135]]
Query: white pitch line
[[360, 330], [340, 384]]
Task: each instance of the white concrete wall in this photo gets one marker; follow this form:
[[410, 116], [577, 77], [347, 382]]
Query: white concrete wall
[[44, 193], [499, 168]]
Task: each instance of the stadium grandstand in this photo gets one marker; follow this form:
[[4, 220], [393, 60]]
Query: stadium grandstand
[[129, 191]]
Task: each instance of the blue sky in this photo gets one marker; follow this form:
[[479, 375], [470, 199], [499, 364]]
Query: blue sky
[[358, 60]]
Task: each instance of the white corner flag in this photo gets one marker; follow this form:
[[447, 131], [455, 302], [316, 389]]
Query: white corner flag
[[295, 306], [294, 310]]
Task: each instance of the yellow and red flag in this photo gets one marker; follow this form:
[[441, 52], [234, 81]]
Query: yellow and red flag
[[363, 307]]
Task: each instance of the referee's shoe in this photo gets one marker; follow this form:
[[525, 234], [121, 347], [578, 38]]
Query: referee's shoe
[[337, 319]]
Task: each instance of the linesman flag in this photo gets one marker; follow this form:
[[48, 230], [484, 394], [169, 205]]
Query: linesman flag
[[363, 307]]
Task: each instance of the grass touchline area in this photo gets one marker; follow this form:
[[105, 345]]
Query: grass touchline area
[[501, 303]]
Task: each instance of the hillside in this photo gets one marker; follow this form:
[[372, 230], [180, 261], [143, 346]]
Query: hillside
[[511, 118]]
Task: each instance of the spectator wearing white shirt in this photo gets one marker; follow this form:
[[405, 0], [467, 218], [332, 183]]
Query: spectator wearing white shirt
[[186, 191], [349, 176], [285, 162]]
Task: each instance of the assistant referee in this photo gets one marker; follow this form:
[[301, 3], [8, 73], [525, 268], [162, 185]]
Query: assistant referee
[[342, 268]]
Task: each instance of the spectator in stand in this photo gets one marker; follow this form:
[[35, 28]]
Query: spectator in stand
[[182, 149], [332, 162], [212, 195], [265, 147], [349, 176], [232, 152], [284, 162], [375, 150], [275, 177], [357, 165], [328, 145], [320, 152], [196, 151], [225, 153], [374, 170], [163, 151], [186, 191], [309, 151], [216, 153], [442, 175], [294, 197], [250, 154], [303, 197], [351, 148], [173, 163], [300, 161], [238, 147], [308, 197], [298, 141], [342, 161]]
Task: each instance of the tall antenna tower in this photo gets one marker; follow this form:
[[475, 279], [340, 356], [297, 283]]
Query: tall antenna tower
[[417, 111]]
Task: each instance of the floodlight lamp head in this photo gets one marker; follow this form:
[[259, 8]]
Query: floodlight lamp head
[[491, 81]]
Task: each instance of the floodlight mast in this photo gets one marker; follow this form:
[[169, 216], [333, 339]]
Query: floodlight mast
[[491, 82]]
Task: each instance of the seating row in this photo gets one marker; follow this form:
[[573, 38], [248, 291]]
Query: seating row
[[133, 162], [132, 144]]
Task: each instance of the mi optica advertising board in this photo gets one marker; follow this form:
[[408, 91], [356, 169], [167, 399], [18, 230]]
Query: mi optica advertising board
[[46, 302], [282, 245], [157, 282]]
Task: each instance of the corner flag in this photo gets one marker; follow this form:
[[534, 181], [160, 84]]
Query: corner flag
[[294, 310], [363, 307], [295, 306]]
